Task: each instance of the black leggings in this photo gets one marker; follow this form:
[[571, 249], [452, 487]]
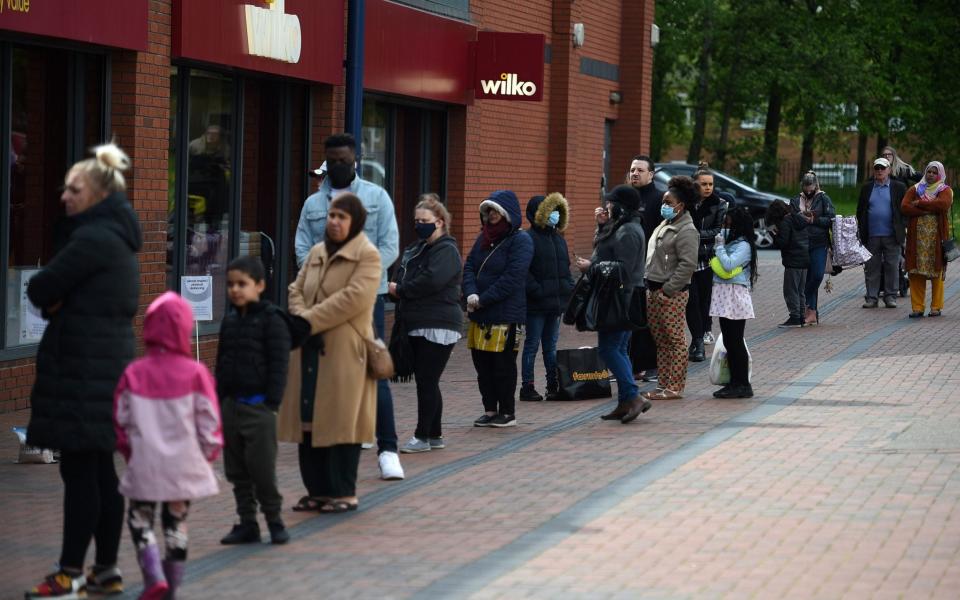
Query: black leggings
[[429, 360], [698, 305], [173, 519], [732, 331], [92, 508]]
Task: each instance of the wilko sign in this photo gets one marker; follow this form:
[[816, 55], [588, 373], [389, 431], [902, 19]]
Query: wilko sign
[[272, 33], [508, 85], [509, 66]]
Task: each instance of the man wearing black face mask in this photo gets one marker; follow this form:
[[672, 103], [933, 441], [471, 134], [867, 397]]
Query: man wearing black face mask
[[381, 228]]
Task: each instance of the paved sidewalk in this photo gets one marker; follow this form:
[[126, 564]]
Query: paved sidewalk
[[839, 479]]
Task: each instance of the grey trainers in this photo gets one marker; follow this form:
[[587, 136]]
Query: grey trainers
[[437, 443], [416, 445], [889, 302]]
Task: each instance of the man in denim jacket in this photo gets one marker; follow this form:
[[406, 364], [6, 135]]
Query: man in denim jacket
[[381, 228]]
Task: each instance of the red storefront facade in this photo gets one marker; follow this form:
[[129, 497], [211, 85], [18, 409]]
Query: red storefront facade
[[224, 105]]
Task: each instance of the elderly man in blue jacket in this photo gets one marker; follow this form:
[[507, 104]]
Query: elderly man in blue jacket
[[381, 228]]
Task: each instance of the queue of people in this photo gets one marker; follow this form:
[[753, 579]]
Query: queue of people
[[301, 375]]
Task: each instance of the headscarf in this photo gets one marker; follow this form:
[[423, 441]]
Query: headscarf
[[930, 191], [351, 205]]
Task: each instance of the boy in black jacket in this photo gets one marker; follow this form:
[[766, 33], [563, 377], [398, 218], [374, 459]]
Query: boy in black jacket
[[791, 237], [251, 374]]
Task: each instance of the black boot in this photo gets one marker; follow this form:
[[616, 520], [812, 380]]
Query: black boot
[[697, 353], [553, 390], [635, 407], [247, 532], [529, 393]]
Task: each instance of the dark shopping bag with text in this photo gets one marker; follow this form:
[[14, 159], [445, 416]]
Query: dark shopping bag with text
[[582, 375]]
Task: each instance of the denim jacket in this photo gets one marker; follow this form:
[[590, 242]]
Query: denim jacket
[[732, 255]]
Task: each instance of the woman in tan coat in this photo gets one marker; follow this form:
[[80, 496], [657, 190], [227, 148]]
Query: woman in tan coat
[[330, 403], [927, 204]]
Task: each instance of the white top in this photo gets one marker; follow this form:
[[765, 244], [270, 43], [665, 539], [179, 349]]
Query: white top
[[444, 337]]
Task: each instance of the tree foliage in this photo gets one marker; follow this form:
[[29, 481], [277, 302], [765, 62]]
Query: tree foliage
[[812, 69]]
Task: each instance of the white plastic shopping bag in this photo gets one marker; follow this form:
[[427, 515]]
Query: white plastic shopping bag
[[720, 367]]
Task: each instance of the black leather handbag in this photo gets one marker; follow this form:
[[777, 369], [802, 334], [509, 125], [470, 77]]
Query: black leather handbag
[[577, 304], [612, 305]]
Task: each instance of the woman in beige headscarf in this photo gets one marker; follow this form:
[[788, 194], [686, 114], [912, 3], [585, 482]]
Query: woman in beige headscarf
[[927, 204]]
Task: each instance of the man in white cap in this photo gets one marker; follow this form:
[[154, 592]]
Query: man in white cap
[[882, 232]]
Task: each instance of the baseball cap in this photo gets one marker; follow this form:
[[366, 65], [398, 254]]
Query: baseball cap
[[882, 162], [319, 172]]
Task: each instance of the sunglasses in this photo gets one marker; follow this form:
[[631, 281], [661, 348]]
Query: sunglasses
[[879, 168]]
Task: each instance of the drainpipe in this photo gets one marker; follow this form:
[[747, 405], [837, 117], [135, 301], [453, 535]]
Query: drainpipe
[[356, 10]]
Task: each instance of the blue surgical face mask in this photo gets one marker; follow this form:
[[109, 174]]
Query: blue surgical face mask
[[554, 218], [425, 230], [667, 211]]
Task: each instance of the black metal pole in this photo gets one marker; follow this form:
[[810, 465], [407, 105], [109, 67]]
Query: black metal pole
[[356, 10]]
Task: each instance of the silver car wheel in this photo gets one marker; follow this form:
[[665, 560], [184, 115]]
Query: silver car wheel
[[762, 237]]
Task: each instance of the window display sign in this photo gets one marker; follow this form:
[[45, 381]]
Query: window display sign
[[117, 23], [509, 66], [291, 38], [198, 291], [32, 323]]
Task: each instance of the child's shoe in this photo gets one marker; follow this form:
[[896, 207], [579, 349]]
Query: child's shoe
[[246, 532], [155, 585], [104, 580], [59, 585], [173, 570], [278, 533]]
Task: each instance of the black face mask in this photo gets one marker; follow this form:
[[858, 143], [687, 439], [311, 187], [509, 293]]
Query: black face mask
[[340, 174]]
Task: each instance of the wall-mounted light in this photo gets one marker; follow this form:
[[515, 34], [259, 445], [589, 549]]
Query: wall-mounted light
[[654, 35], [616, 97], [578, 35]]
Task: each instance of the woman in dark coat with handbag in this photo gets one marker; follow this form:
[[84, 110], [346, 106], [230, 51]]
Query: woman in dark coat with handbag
[[88, 292], [429, 314], [815, 206], [494, 282], [549, 284], [620, 239]]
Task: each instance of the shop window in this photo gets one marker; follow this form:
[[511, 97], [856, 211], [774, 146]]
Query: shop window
[[56, 112]]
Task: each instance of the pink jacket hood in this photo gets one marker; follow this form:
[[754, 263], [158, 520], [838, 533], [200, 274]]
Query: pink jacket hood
[[168, 324]]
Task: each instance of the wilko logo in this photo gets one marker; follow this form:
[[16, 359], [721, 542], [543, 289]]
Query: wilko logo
[[508, 85], [272, 33]]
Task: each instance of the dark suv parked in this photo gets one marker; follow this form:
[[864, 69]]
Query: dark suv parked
[[744, 195]]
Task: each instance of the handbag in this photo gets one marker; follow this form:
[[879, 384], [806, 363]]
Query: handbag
[[379, 362], [950, 250], [582, 375], [613, 306], [401, 350], [578, 301]]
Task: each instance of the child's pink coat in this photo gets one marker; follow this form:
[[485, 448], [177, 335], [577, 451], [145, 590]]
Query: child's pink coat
[[165, 412]]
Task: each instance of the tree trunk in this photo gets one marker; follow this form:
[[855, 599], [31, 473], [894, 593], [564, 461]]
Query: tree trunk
[[769, 164], [703, 89], [809, 136], [862, 170]]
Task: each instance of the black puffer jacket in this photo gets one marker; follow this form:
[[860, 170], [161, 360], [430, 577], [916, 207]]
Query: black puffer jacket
[[822, 207], [253, 353], [792, 240], [708, 219], [95, 277], [549, 282], [428, 285]]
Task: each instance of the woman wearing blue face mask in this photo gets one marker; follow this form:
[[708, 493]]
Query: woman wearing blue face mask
[[549, 285], [671, 262], [428, 287]]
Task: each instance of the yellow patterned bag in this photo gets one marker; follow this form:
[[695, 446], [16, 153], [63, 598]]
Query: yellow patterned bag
[[491, 338]]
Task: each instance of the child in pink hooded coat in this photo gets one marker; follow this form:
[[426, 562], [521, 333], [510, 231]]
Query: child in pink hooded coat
[[167, 420]]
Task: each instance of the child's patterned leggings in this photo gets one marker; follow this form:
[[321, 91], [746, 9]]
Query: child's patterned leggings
[[173, 519]]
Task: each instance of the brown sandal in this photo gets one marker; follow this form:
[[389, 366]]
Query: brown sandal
[[662, 394], [310, 504], [338, 506]]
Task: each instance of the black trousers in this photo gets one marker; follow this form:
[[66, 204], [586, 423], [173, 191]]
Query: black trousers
[[698, 305], [497, 376], [92, 507], [429, 361], [732, 331], [329, 472]]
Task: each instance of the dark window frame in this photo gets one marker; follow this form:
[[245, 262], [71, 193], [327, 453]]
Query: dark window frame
[[77, 61]]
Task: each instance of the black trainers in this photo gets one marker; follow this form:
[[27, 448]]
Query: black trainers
[[791, 322], [484, 420], [529, 393], [247, 532], [504, 421], [278, 533]]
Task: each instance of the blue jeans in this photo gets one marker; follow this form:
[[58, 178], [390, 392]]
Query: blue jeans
[[386, 426], [818, 262], [612, 348], [543, 329]]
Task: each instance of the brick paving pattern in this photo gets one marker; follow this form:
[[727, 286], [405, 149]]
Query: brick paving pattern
[[838, 480]]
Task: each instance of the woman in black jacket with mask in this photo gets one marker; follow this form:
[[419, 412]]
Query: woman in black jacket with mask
[[428, 286], [817, 210]]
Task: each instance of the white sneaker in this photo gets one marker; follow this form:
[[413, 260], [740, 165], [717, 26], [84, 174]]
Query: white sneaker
[[390, 468], [708, 338], [366, 445]]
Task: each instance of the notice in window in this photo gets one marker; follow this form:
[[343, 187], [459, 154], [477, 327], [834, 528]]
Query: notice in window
[[198, 291], [32, 323]]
